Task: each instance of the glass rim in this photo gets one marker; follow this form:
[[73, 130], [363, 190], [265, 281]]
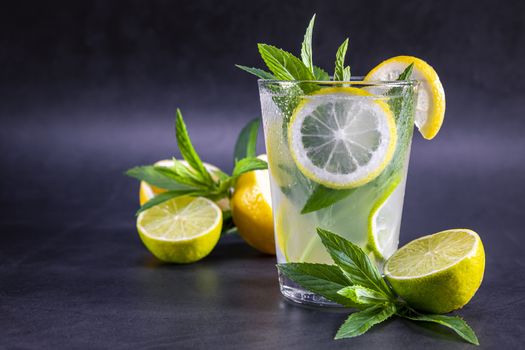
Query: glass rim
[[353, 81]]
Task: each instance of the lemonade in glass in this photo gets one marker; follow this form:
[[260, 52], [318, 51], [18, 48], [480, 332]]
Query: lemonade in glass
[[338, 156]]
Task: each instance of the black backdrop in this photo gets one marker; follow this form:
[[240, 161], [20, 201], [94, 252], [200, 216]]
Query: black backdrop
[[89, 88]]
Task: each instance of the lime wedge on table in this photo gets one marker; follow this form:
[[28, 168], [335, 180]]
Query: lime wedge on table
[[182, 230], [384, 221], [440, 272], [342, 137], [430, 104]]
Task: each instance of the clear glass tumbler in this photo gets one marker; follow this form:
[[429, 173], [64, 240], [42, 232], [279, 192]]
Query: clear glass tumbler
[[338, 156]]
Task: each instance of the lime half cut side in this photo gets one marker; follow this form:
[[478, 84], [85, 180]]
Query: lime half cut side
[[440, 272], [183, 229], [342, 137]]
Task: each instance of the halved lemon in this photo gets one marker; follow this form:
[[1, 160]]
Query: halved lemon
[[440, 272], [181, 230], [342, 137], [430, 105]]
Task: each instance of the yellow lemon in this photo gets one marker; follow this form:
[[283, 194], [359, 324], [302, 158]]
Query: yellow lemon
[[252, 210]]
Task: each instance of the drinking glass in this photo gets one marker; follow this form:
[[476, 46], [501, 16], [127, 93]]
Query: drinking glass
[[368, 213]]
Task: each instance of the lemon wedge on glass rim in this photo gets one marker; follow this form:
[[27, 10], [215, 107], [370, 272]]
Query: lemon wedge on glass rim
[[342, 137], [430, 104]]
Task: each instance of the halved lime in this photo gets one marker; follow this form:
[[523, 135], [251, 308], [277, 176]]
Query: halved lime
[[342, 137], [440, 272], [182, 230]]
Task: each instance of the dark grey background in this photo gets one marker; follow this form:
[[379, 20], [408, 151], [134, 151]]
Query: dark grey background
[[89, 89]]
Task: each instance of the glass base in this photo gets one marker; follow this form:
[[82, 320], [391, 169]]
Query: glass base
[[293, 292]]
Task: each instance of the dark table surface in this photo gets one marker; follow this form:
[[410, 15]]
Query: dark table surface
[[73, 272], [89, 89]]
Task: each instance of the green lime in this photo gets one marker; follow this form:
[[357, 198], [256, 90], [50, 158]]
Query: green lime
[[181, 230], [440, 272]]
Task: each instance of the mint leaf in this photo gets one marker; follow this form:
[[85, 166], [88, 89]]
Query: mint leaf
[[321, 74], [247, 140], [340, 61], [257, 72], [406, 73], [306, 47], [153, 176], [354, 262], [163, 197], [183, 174], [347, 75], [398, 101], [362, 295], [455, 323], [248, 164], [187, 150], [323, 197], [321, 279], [284, 65], [360, 322]]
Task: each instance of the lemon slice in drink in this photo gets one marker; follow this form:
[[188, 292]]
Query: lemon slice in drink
[[430, 105], [181, 230], [385, 220], [440, 272], [342, 137]]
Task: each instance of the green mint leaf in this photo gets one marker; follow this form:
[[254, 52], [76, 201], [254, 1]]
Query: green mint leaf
[[362, 295], [257, 72], [152, 175], [247, 141], [163, 197], [323, 197], [455, 323], [306, 47], [340, 61], [284, 65], [347, 75], [398, 101], [187, 150], [321, 279], [183, 174], [405, 75], [321, 74], [354, 262], [360, 322], [248, 164]]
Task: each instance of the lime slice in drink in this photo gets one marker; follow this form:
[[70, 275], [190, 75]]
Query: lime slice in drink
[[384, 221], [182, 230], [440, 272], [342, 137]]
